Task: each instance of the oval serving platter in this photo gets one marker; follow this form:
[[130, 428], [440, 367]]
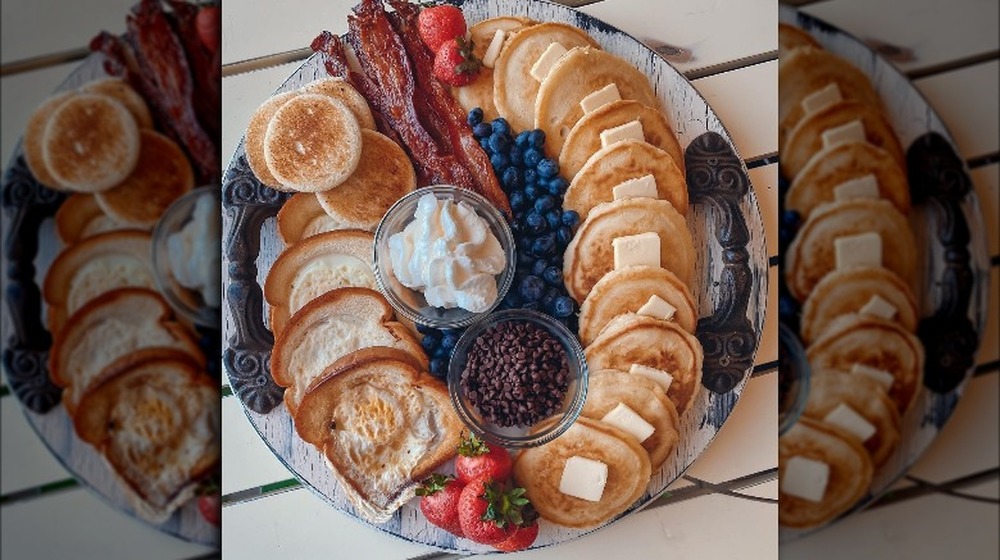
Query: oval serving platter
[[724, 220], [30, 245], [946, 217]]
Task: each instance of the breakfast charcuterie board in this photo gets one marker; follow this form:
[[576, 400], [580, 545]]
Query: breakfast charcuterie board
[[729, 280]]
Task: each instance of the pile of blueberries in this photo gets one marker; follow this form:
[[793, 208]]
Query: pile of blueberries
[[788, 226], [541, 228]]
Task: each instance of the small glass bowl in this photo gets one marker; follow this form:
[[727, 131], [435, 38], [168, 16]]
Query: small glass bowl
[[188, 302], [411, 303], [520, 437], [793, 379]]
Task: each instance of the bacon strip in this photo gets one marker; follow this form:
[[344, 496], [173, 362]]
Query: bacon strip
[[205, 66]]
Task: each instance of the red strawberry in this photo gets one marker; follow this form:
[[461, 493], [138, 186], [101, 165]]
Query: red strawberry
[[477, 459], [520, 540], [439, 501], [210, 508], [454, 63], [439, 24], [488, 513]]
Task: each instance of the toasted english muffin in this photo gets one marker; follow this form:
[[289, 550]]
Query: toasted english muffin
[[580, 72], [161, 175], [301, 216], [627, 290], [79, 217], [33, 142], [121, 91], [479, 93], [314, 266], [539, 470], [342, 90], [584, 139], [850, 472], [253, 140], [629, 159], [791, 37], [590, 254], [361, 416], [383, 176], [636, 339], [156, 420], [514, 89], [90, 143]]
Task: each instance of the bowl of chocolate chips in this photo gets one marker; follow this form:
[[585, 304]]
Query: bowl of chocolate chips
[[518, 378]]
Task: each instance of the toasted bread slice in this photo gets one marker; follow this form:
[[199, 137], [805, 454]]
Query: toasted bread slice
[[479, 93], [327, 329], [121, 91], [360, 414], [33, 142], [80, 217], [317, 265], [110, 327], [791, 37], [342, 90], [253, 140], [301, 216], [155, 417]]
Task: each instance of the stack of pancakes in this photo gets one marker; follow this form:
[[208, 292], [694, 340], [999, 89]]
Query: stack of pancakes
[[852, 265]]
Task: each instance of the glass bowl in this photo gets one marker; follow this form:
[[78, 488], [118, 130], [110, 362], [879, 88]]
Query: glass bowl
[[411, 303], [793, 379], [520, 437], [186, 249]]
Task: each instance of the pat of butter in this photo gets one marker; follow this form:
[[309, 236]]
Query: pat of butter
[[880, 376], [639, 187], [847, 418], [628, 131], [657, 308], [662, 378], [821, 99], [600, 98], [853, 131], [548, 59], [878, 307], [584, 478], [626, 419], [864, 249], [862, 187], [805, 478], [637, 250], [493, 51]]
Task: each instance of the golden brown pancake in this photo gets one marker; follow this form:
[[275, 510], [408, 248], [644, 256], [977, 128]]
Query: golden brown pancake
[[79, 217], [33, 141], [791, 37], [479, 93], [383, 176], [584, 139], [621, 161], [160, 177], [91, 143], [253, 141], [120, 90], [341, 90], [539, 470], [302, 216]]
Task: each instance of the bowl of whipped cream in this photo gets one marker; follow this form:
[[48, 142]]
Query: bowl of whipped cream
[[444, 256]]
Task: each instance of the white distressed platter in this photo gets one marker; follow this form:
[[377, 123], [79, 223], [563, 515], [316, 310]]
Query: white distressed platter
[[690, 116]]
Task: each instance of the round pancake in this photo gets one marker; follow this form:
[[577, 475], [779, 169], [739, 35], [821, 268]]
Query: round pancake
[[791, 37], [479, 93], [636, 339], [590, 255], [606, 388], [806, 70], [253, 141], [120, 90], [843, 292], [881, 344], [91, 143], [621, 161], [628, 289], [584, 139], [79, 217], [162, 174], [514, 89], [340, 89], [812, 256], [806, 139], [313, 143], [850, 472], [539, 470], [384, 175], [576, 75], [34, 134], [301, 216], [829, 168], [829, 388]]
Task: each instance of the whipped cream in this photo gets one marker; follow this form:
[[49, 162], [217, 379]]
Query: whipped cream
[[450, 254], [193, 252]]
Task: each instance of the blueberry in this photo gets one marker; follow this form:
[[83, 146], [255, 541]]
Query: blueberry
[[500, 127], [570, 218], [544, 245], [448, 341], [525, 260], [563, 306], [787, 306], [531, 157], [499, 162], [511, 179], [552, 275], [531, 288], [551, 293], [441, 352], [499, 142], [538, 267], [563, 236], [536, 138], [517, 200], [515, 155], [530, 176], [424, 329], [557, 186], [522, 138], [524, 244], [545, 203], [475, 116], [439, 367], [548, 168], [481, 131], [430, 341], [783, 185], [790, 219], [554, 219], [535, 222], [512, 300], [530, 306], [531, 191]]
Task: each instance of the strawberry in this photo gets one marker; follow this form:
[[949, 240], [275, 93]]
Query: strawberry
[[477, 459], [520, 540], [439, 24], [210, 508], [439, 501], [488, 513], [454, 63]]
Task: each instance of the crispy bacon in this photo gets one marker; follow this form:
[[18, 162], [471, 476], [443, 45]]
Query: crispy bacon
[[205, 66]]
